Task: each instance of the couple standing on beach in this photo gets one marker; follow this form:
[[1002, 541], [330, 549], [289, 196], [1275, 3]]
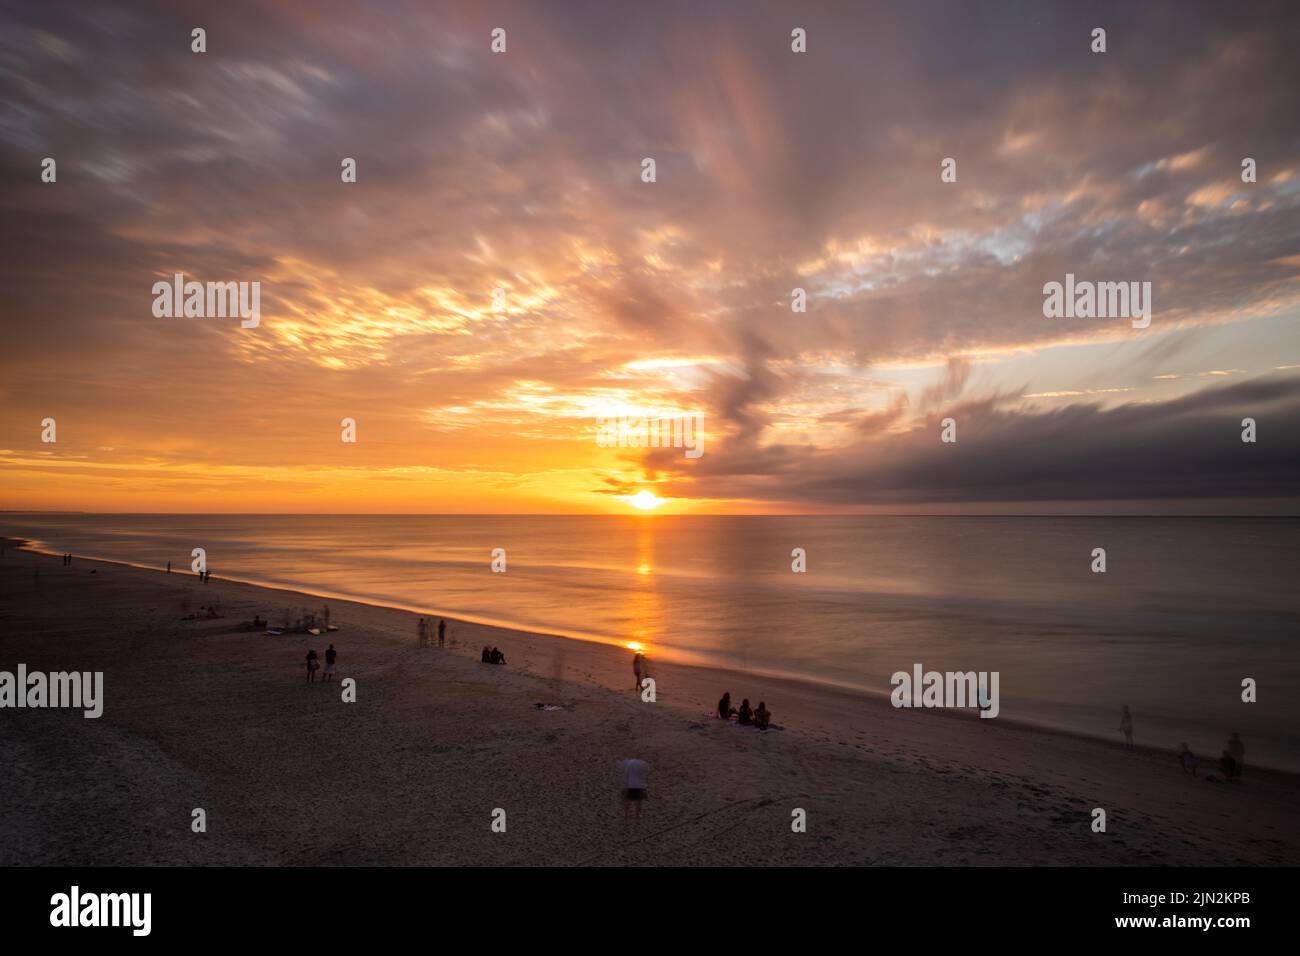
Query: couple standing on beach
[[313, 663], [425, 628]]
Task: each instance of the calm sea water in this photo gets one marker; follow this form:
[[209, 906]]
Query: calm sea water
[[1188, 606]]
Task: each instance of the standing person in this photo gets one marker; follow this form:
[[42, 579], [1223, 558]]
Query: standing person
[[1126, 725], [169, 567], [442, 632], [637, 663], [1188, 760], [331, 656], [636, 777], [422, 629], [1237, 749], [312, 663]]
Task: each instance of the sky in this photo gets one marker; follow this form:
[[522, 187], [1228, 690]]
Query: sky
[[775, 170]]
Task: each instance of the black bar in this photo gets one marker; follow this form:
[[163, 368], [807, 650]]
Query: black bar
[[656, 907]]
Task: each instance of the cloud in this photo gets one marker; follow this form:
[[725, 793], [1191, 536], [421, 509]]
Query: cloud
[[1185, 448], [521, 172]]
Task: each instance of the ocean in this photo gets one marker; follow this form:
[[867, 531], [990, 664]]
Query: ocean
[[1187, 608]]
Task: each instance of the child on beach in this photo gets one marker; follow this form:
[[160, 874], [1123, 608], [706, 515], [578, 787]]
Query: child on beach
[[312, 663]]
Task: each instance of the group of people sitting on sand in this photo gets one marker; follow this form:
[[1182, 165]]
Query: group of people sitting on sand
[[204, 614], [1230, 763], [492, 655], [760, 717], [309, 622]]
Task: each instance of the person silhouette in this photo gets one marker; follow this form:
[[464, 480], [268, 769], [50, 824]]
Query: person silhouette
[[1237, 750], [1126, 725], [725, 710]]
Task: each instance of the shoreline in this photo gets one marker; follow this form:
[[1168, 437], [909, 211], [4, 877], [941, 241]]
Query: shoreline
[[200, 714], [726, 676]]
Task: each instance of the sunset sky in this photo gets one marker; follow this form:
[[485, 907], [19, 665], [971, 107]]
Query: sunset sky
[[775, 170]]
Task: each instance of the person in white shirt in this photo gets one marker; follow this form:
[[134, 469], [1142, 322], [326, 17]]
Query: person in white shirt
[[636, 774]]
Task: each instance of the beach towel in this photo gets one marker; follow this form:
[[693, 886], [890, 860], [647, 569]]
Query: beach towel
[[713, 715]]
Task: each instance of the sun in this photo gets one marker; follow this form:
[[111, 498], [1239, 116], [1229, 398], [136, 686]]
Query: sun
[[645, 500]]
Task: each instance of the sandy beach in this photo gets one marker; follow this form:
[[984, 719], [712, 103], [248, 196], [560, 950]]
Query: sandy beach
[[198, 714]]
